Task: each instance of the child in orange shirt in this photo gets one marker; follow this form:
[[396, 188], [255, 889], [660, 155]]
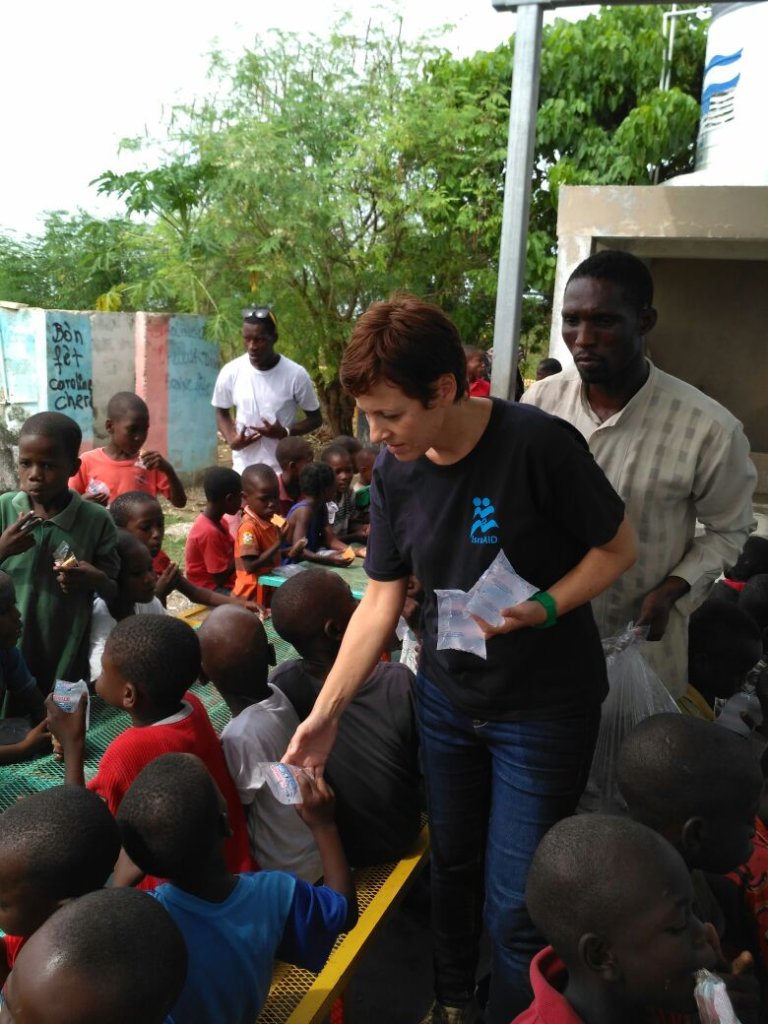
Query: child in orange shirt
[[257, 547], [122, 465]]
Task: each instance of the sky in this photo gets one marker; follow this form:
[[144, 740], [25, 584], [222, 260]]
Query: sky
[[77, 77]]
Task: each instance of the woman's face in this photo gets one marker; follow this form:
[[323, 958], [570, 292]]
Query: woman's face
[[402, 423]]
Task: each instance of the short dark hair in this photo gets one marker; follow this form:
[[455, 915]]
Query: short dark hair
[[304, 603], [219, 481], [126, 944], [168, 818], [259, 472], [723, 645], [57, 427], [263, 317], [127, 544], [369, 453], [292, 449], [352, 445], [126, 506], [550, 364], [570, 891], [315, 479], [672, 767], [336, 451], [622, 269], [405, 342], [67, 837], [235, 651], [125, 402], [159, 654]]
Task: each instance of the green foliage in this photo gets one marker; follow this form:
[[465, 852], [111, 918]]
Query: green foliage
[[322, 174]]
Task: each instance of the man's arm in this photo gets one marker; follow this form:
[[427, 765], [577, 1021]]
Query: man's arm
[[236, 440], [722, 495]]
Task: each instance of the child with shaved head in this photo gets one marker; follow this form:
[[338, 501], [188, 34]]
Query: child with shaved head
[[698, 785], [55, 845], [236, 656], [374, 767], [113, 955], [615, 901], [123, 465], [173, 823]]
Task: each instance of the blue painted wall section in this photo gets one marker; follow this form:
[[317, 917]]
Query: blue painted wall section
[[20, 362], [69, 368], [193, 364]]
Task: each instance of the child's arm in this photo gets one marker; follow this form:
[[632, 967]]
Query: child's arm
[[69, 729], [317, 813], [252, 563], [154, 460], [36, 743], [204, 596]]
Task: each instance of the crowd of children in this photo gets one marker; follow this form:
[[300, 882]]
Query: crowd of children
[[629, 909]]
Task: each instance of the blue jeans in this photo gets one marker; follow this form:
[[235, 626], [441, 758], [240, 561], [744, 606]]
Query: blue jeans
[[493, 790]]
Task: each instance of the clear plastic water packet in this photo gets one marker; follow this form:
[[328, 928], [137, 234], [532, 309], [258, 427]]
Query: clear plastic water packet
[[499, 587], [712, 1000], [282, 780], [456, 629], [66, 695], [97, 486], [64, 557]]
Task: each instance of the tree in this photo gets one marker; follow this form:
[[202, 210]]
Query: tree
[[79, 262], [322, 174]]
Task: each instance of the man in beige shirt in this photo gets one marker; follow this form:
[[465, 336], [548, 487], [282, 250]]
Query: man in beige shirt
[[673, 454]]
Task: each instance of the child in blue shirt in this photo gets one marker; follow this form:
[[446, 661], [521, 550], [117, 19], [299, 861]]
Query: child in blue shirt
[[173, 823]]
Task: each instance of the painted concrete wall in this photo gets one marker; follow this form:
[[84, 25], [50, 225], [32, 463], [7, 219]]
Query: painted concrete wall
[[72, 362], [707, 248], [113, 364], [176, 369]]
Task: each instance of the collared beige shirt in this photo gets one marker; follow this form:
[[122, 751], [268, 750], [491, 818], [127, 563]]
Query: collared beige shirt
[[675, 456]]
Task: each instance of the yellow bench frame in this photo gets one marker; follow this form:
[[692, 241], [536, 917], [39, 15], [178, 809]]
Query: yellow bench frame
[[297, 996]]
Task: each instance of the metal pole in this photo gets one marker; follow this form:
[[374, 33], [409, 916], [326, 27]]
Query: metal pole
[[517, 198]]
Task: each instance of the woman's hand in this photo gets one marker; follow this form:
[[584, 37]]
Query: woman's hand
[[520, 616], [312, 743]]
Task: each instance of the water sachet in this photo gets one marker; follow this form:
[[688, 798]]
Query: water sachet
[[456, 629], [499, 587], [67, 696], [282, 780]]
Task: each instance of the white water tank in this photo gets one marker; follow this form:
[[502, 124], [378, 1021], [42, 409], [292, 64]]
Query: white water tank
[[732, 146]]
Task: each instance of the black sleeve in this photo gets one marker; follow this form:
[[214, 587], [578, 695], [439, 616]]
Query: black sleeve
[[383, 561]]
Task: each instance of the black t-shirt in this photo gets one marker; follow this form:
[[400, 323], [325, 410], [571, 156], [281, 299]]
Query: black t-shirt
[[374, 766], [530, 487]]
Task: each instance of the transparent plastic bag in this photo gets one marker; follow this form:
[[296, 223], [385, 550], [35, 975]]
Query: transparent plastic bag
[[283, 780], [712, 1000], [456, 629], [499, 587], [635, 693]]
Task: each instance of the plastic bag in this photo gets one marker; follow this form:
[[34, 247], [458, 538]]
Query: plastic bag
[[456, 629], [282, 780], [712, 999], [635, 693], [499, 587]]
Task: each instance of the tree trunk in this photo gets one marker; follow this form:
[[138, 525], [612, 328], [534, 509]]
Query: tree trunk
[[338, 407]]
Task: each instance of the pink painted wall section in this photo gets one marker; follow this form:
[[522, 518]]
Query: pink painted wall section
[[152, 374]]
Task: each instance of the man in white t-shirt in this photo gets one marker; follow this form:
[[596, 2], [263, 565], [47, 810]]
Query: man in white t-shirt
[[266, 391]]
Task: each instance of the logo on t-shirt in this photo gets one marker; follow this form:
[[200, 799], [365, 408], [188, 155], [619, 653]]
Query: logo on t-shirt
[[483, 522]]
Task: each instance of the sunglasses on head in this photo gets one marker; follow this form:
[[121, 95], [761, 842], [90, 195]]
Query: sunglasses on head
[[256, 313]]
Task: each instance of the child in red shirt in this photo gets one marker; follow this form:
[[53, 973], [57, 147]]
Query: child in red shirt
[[122, 465], [257, 548], [55, 845], [477, 369], [149, 663], [615, 901], [209, 553]]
